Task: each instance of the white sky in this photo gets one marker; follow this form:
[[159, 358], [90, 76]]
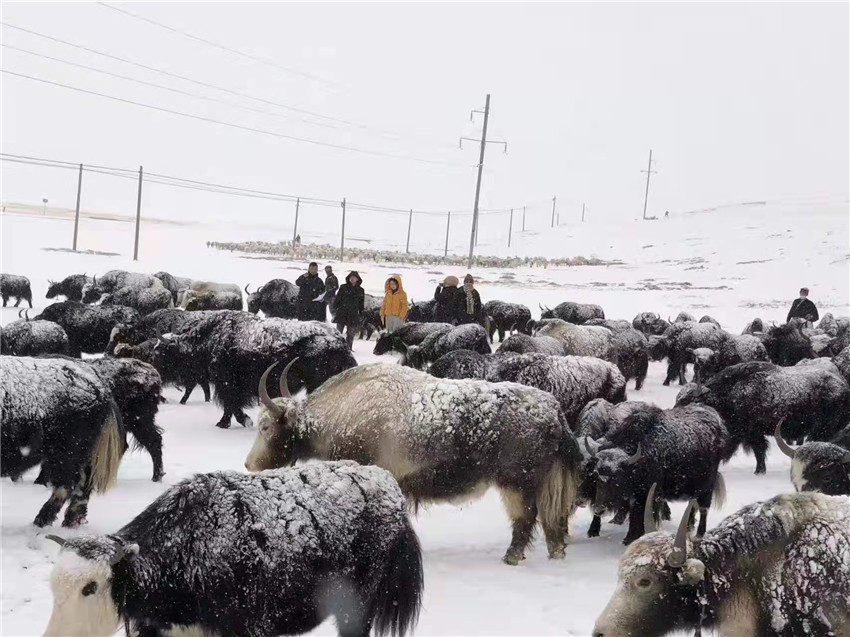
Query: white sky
[[738, 101]]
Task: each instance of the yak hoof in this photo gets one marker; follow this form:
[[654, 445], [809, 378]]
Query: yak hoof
[[223, 424], [593, 532], [245, 422], [157, 477], [761, 470], [557, 553], [512, 559], [72, 521], [666, 383]]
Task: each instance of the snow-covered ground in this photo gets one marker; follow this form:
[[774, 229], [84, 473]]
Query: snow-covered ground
[[734, 264]]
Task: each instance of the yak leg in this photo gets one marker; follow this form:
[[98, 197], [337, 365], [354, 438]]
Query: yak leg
[[151, 441], [41, 478], [704, 501], [759, 446], [522, 510], [187, 392], [78, 507], [501, 334], [635, 518], [682, 368], [224, 423], [242, 418], [51, 508], [595, 526], [5, 300], [205, 386], [17, 301], [672, 370]]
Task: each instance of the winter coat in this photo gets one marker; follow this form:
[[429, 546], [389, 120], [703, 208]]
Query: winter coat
[[309, 288], [460, 314], [331, 284], [802, 308], [444, 309], [349, 301], [395, 304]]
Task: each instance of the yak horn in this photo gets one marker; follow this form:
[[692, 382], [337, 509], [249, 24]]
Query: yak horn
[[592, 448], [649, 525], [637, 456], [263, 394], [284, 386], [61, 541], [679, 556], [246, 290], [784, 447], [94, 279], [21, 311], [27, 314]]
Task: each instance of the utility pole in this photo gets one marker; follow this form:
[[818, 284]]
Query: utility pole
[[342, 233], [409, 224], [295, 228], [648, 172], [523, 218], [77, 209], [473, 236], [510, 227], [582, 213], [554, 200], [138, 217], [448, 224]]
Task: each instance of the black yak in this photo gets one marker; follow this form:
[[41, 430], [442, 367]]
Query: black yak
[[410, 333], [143, 300], [17, 287], [506, 317], [33, 338], [71, 287], [525, 344], [817, 466], [88, 326], [470, 336], [277, 297], [576, 313], [787, 344]]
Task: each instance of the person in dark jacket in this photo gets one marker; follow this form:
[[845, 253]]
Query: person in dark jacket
[[468, 303], [310, 288], [331, 286], [349, 306], [803, 308], [444, 295]]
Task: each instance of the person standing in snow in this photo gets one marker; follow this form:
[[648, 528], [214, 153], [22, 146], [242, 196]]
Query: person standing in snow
[[348, 314], [803, 308], [331, 286], [310, 288], [394, 308], [444, 295], [467, 303]]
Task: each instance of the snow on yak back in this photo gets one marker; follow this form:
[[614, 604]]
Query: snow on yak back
[[88, 326], [155, 324], [817, 466], [174, 284], [17, 287], [33, 338], [471, 336], [525, 344], [812, 403], [411, 333], [678, 342], [115, 280], [579, 340], [227, 553], [506, 317], [576, 313], [443, 440], [650, 323], [235, 347], [277, 297], [787, 344], [71, 287], [142, 299], [59, 413], [779, 568]]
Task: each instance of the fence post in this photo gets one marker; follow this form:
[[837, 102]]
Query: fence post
[[510, 227], [582, 213], [342, 233], [138, 217], [409, 224], [295, 229], [77, 209], [523, 218], [448, 224]]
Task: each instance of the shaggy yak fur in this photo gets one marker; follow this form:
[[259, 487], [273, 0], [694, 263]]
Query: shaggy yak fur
[[71, 287], [33, 338], [410, 333], [88, 326], [570, 312], [525, 344], [13, 285], [506, 317], [471, 337], [143, 300], [277, 297], [174, 284]]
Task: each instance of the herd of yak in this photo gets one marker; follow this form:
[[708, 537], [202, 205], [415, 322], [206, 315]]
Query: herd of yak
[[544, 419]]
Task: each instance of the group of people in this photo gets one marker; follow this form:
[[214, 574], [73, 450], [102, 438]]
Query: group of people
[[453, 304]]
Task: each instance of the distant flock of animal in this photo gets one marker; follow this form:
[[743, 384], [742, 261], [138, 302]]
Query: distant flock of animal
[[545, 419]]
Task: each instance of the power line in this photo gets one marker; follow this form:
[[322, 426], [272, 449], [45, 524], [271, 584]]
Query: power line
[[216, 45], [261, 131]]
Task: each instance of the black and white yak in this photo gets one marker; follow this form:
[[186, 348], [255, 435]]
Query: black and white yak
[[731, 350], [228, 553], [572, 380], [525, 344], [115, 280], [411, 333], [60, 414], [277, 297], [506, 317], [677, 342], [778, 568], [443, 440], [27, 337], [71, 287], [579, 340], [143, 300], [211, 293], [17, 287], [235, 348], [570, 312], [817, 466], [650, 324], [680, 450], [88, 326], [174, 284], [471, 337], [811, 402]]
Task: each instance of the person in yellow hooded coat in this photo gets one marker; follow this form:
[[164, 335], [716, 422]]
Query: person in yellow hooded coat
[[394, 308]]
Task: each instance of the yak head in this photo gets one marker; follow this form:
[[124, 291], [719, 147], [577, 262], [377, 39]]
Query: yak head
[[91, 292], [683, 317], [546, 312], [693, 394], [659, 348], [84, 581], [787, 344], [255, 299], [817, 466], [121, 333], [54, 289], [657, 591], [274, 445], [412, 356], [615, 470], [385, 343]]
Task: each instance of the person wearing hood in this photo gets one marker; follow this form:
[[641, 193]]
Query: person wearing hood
[[348, 306], [467, 303], [394, 308], [444, 295], [311, 291]]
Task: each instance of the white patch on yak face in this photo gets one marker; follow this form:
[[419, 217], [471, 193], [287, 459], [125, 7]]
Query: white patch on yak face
[[82, 598], [798, 468], [272, 446]]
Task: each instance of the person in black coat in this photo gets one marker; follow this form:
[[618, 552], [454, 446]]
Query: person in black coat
[[349, 306], [468, 303], [444, 295], [803, 308], [310, 287]]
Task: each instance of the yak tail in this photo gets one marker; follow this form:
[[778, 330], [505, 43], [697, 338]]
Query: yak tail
[[108, 451], [556, 497], [718, 494], [399, 595]]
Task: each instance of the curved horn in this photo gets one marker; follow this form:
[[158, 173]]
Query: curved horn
[[669, 320], [246, 290], [679, 556], [784, 447], [61, 541], [284, 386], [637, 456], [94, 279], [263, 394], [27, 314], [592, 448], [540, 305], [21, 311], [649, 525]]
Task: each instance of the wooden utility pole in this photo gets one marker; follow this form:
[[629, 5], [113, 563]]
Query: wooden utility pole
[[77, 209], [409, 224], [510, 227], [483, 140], [554, 200], [582, 213], [448, 225], [295, 227], [138, 217], [648, 172], [342, 233], [523, 218]]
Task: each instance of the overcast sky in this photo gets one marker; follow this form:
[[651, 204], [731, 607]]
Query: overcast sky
[[738, 101]]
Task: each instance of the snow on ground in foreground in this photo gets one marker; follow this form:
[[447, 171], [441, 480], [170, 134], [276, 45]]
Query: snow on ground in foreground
[[468, 590]]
